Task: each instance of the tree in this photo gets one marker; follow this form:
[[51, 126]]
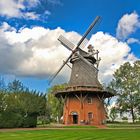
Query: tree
[[22, 105], [113, 113], [15, 86], [126, 83], [137, 81], [2, 101], [54, 105], [108, 101]]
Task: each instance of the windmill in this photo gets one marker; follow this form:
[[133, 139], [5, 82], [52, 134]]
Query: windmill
[[74, 49], [84, 95]]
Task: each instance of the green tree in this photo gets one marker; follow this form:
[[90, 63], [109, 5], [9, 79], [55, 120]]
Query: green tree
[[54, 106], [2, 101], [137, 81], [15, 86], [113, 113], [126, 83], [22, 105]]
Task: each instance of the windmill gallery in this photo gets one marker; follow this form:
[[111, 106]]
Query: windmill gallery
[[84, 95]]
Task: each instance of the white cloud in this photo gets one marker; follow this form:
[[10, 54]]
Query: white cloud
[[32, 3], [113, 53], [11, 8], [25, 34], [33, 52], [31, 15], [6, 27], [133, 40], [11, 56], [36, 52], [127, 25], [20, 9]]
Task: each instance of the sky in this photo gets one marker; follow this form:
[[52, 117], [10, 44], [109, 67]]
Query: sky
[[31, 53]]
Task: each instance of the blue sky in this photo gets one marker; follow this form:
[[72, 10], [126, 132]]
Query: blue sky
[[29, 29]]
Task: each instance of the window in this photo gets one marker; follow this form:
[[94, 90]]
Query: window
[[90, 116], [89, 100]]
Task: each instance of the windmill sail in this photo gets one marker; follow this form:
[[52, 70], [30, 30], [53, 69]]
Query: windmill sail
[[70, 46]]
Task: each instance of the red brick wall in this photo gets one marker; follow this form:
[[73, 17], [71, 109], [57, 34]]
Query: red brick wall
[[82, 107]]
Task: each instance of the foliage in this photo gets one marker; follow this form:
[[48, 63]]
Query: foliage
[[10, 119], [24, 106], [56, 88], [126, 83], [113, 113], [30, 121], [20, 107], [54, 105], [15, 86], [107, 102]]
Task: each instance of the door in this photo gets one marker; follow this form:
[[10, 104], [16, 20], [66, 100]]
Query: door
[[75, 119], [74, 115]]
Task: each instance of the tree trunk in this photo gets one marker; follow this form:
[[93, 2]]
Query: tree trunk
[[133, 116]]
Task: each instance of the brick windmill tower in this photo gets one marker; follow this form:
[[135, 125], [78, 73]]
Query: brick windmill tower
[[84, 95]]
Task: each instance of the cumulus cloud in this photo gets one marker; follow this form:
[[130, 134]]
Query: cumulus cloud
[[33, 52], [36, 52], [113, 53], [127, 25], [12, 8], [6, 27], [21, 9], [11, 56], [24, 34]]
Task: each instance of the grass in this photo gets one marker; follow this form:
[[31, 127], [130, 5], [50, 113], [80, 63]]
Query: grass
[[123, 125], [73, 134], [80, 126]]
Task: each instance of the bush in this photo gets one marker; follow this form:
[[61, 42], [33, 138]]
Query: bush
[[16, 101], [15, 120], [10, 120], [30, 121]]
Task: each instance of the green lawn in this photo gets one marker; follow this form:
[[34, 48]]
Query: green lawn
[[73, 134], [123, 126]]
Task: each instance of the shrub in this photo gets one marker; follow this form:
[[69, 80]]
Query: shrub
[[10, 120], [30, 121]]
